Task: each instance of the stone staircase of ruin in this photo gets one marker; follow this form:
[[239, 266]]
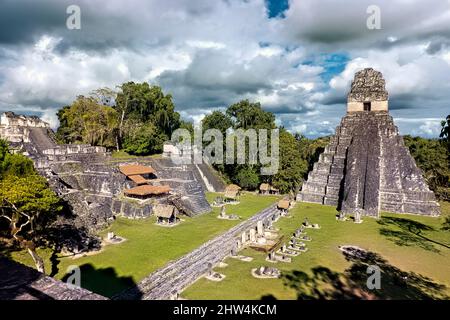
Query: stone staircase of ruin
[[41, 138], [324, 181]]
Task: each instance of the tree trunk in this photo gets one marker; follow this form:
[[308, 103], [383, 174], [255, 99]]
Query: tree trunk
[[117, 143], [37, 260]]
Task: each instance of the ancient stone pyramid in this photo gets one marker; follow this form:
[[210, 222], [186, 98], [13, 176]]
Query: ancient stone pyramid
[[366, 167]]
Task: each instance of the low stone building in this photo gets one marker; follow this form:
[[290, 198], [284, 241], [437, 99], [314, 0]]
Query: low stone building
[[165, 214], [366, 167], [266, 189], [232, 192], [284, 205]]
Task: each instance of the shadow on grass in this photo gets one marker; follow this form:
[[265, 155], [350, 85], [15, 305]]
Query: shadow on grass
[[20, 281], [410, 233], [351, 284], [103, 281], [446, 224]]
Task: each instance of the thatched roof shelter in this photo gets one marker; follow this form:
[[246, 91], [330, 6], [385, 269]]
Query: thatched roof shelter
[[146, 190], [232, 191], [283, 204], [135, 169], [232, 187], [164, 210], [231, 194], [138, 179]]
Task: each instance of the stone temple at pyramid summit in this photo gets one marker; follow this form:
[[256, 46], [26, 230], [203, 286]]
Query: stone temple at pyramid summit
[[366, 168]]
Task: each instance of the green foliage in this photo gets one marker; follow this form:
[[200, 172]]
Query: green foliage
[[23, 192], [143, 103], [28, 197], [292, 166], [141, 119], [27, 204], [147, 118], [13, 164], [248, 115], [247, 178], [310, 149], [297, 153], [432, 157], [445, 133], [143, 139], [87, 121], [217, 120]]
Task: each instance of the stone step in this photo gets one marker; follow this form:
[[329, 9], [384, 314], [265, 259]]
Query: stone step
[[310, 197], [330, 200], [314, 187], [322, 167]]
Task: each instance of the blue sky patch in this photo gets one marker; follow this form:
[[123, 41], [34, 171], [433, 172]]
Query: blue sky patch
[[276, 8], [333, 64]]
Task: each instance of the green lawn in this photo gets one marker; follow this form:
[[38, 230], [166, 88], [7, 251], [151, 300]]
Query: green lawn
[[403, 245], [148, 246], [122, 155]]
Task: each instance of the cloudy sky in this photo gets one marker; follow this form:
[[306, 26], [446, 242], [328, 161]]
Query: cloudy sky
[[296, 57]]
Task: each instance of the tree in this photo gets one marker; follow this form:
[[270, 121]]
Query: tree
[[296, 153], [292, 167], [248, 115], [104, 96], [87, 121], [139, 105], [445, 131], [432, 157], [247, 177], [143, 138], [310, 149], [26, 203], [13, 164], [217, 120]]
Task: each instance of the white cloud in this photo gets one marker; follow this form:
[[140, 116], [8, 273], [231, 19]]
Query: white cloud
[[210, 54]]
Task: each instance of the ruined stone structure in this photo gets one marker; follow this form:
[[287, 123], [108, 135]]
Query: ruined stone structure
[[366, 167], [90, 181]]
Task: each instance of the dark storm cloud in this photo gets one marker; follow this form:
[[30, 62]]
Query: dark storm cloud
[[24, 21], [331, 23]]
